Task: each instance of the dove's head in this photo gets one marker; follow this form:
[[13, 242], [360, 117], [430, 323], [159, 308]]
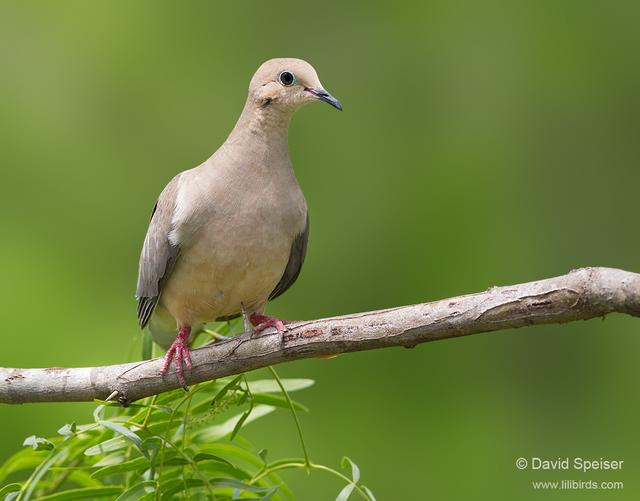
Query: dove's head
[[286, 84]]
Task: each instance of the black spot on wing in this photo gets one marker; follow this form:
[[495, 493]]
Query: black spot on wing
[[296, 259]]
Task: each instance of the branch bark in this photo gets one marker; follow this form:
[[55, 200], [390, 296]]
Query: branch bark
[[582, 294]]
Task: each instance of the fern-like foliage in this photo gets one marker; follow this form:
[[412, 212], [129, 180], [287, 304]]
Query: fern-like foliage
[[172, 446]]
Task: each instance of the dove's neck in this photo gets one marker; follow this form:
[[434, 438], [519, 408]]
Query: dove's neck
[[262, 132]]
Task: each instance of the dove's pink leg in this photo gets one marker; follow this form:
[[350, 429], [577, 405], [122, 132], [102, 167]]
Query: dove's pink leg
[[179, 352], [261, 322]]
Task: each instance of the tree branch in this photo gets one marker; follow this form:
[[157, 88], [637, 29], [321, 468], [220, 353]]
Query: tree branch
[[580, 295]]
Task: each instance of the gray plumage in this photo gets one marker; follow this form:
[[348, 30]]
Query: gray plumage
[[232, 233], [158, 254]]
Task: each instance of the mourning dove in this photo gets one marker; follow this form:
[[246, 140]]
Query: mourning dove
[[229, 235]]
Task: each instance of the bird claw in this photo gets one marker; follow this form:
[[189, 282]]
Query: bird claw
[[178, 353], [262, 322]]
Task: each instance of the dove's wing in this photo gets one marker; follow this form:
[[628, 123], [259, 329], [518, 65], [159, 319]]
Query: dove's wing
[[159, 254], [296, 259]]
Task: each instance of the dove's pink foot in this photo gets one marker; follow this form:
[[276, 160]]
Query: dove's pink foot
[[179, 352], [261, 322]]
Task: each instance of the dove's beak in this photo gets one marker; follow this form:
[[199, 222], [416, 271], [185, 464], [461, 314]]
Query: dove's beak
[[323, 95]]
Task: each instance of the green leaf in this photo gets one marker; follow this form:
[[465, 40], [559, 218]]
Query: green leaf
[[82, 479], [97, 412], [68, 429], [113, 444], [205, 456], [151, 446], [126, 433], [39, 472], [277, 401], [345, 492], [24, 459], [83, 428], [240, 422], [369, 493], [163, 408], [147, 345], [161, 426], [137, 491], [217, 469], [234, 453], [109, 459], [9, 488], [263, 455], [240, 456], [347, 464], [170, 396], [138, 463], [216, 432], [38, 443], [268, 496], [271, 385], [243, 398], [236, 484], [117, 443], [85, 493], [171, 487], [225, 389]]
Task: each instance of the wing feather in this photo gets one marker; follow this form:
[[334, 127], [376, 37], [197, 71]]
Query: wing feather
[[159, 255], [296, 259]]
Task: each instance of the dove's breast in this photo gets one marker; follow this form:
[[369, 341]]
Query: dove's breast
[[235, 238]]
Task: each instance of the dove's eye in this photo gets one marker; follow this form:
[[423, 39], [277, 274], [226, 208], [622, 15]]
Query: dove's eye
[[286, 78]]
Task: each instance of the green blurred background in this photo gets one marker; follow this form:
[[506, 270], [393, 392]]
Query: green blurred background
[[482, 143]]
